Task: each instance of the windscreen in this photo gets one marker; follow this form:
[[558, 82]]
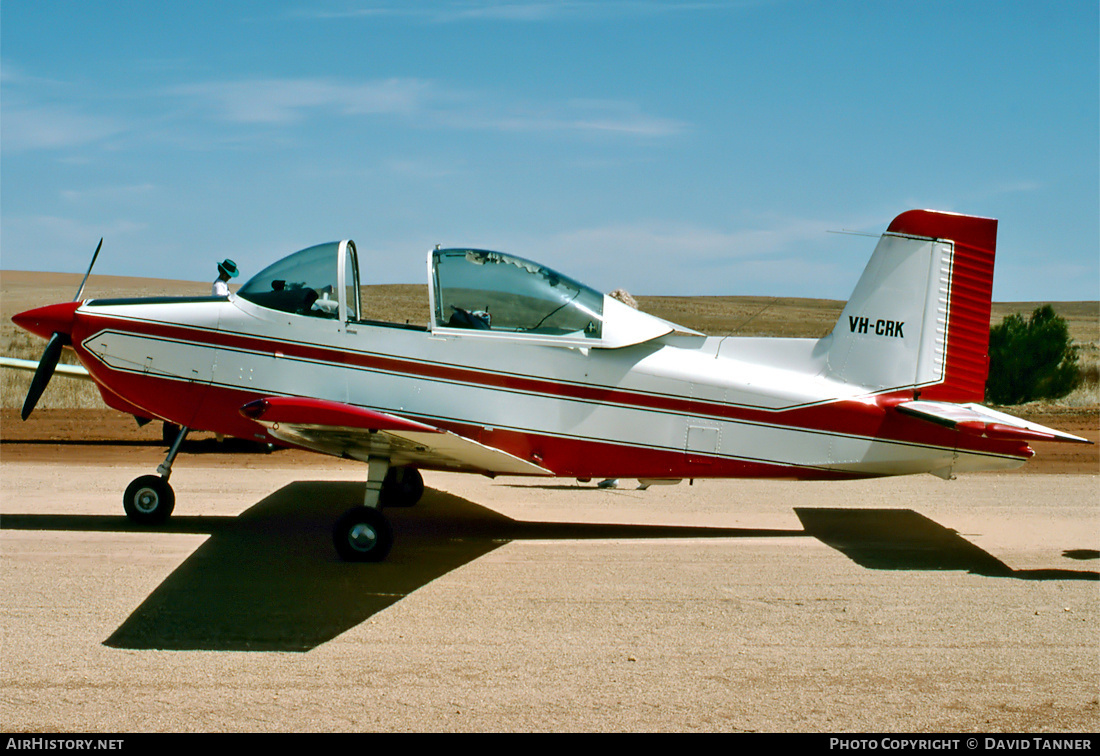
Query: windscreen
[[305, 283]]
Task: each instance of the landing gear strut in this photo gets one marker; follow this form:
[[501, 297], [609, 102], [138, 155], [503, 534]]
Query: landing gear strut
[[362, 534], [149, 500]]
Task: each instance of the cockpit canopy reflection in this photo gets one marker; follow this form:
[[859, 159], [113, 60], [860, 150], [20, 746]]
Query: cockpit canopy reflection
[[486, 290]]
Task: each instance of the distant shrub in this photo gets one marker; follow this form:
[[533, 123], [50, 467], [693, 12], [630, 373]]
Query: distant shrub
[[1031, 358]]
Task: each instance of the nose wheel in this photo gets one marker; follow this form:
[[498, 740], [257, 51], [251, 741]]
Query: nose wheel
[[149, 500]]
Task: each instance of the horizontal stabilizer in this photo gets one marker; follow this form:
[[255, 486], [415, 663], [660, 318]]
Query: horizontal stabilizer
[[982, 421]]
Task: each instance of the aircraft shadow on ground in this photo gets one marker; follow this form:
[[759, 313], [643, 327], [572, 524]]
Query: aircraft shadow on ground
[[901, 539], [269, 579]]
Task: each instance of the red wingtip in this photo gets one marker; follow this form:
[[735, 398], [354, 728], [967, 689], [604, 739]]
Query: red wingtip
[[254, 410]]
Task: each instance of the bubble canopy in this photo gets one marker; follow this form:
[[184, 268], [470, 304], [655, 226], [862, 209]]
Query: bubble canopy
[[492, 291], [472, 293]]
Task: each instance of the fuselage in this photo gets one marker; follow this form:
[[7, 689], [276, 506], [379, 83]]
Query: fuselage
[[677, 406]]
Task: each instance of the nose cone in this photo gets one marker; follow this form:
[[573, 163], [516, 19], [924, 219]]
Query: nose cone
[[48, 320]]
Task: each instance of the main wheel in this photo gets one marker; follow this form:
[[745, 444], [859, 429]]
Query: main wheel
[[402, 487], [149, 500], [362, 534]]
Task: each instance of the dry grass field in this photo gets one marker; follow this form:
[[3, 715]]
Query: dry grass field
[[401, 303]]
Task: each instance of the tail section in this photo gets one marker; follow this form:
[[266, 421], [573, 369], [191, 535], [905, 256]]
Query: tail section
[[919, 316]]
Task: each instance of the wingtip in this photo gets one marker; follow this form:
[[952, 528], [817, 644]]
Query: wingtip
[[255, 409]]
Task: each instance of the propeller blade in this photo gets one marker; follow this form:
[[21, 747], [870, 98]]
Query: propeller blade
[[42, 375], [85, 280], [49, 317]]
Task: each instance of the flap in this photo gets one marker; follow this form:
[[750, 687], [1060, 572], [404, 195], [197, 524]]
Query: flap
[[343, 430]]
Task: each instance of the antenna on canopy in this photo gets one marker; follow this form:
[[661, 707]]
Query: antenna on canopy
[[753, 316]]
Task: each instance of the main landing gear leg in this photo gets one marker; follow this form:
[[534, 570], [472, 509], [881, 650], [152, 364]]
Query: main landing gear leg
[[149, 500], [362, 534]]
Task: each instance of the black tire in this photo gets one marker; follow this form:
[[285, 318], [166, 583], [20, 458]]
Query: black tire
[[402, 487], [362, 534], [149, 500]]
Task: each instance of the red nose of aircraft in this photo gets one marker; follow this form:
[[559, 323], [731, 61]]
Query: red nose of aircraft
[[48, 320]]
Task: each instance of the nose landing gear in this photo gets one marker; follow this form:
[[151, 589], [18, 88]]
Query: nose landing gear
[[149, 500]]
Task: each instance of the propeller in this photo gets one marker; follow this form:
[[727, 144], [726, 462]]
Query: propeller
[[42, 375], [59, 339]]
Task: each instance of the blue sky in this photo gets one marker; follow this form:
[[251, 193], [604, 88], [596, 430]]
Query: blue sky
[[702, 147]]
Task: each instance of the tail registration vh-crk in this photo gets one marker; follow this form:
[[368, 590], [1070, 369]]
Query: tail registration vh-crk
[[524, 371]]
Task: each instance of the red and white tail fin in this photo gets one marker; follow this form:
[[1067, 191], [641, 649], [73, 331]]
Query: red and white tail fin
[[919, 316]]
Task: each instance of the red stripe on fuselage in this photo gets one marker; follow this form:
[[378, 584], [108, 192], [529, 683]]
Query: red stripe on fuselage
[[217, 410], [868, 418]]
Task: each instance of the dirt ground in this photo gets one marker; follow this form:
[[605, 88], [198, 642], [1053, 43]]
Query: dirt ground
[[901, 605]]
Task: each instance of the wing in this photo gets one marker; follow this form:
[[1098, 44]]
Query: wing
[[982, 421], [69, 371], [343, 430]]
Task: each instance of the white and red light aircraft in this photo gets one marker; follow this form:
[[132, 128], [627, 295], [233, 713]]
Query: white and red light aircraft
[[523, 371]]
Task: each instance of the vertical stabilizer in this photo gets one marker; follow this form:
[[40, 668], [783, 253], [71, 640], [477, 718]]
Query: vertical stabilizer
[[919, 316]]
